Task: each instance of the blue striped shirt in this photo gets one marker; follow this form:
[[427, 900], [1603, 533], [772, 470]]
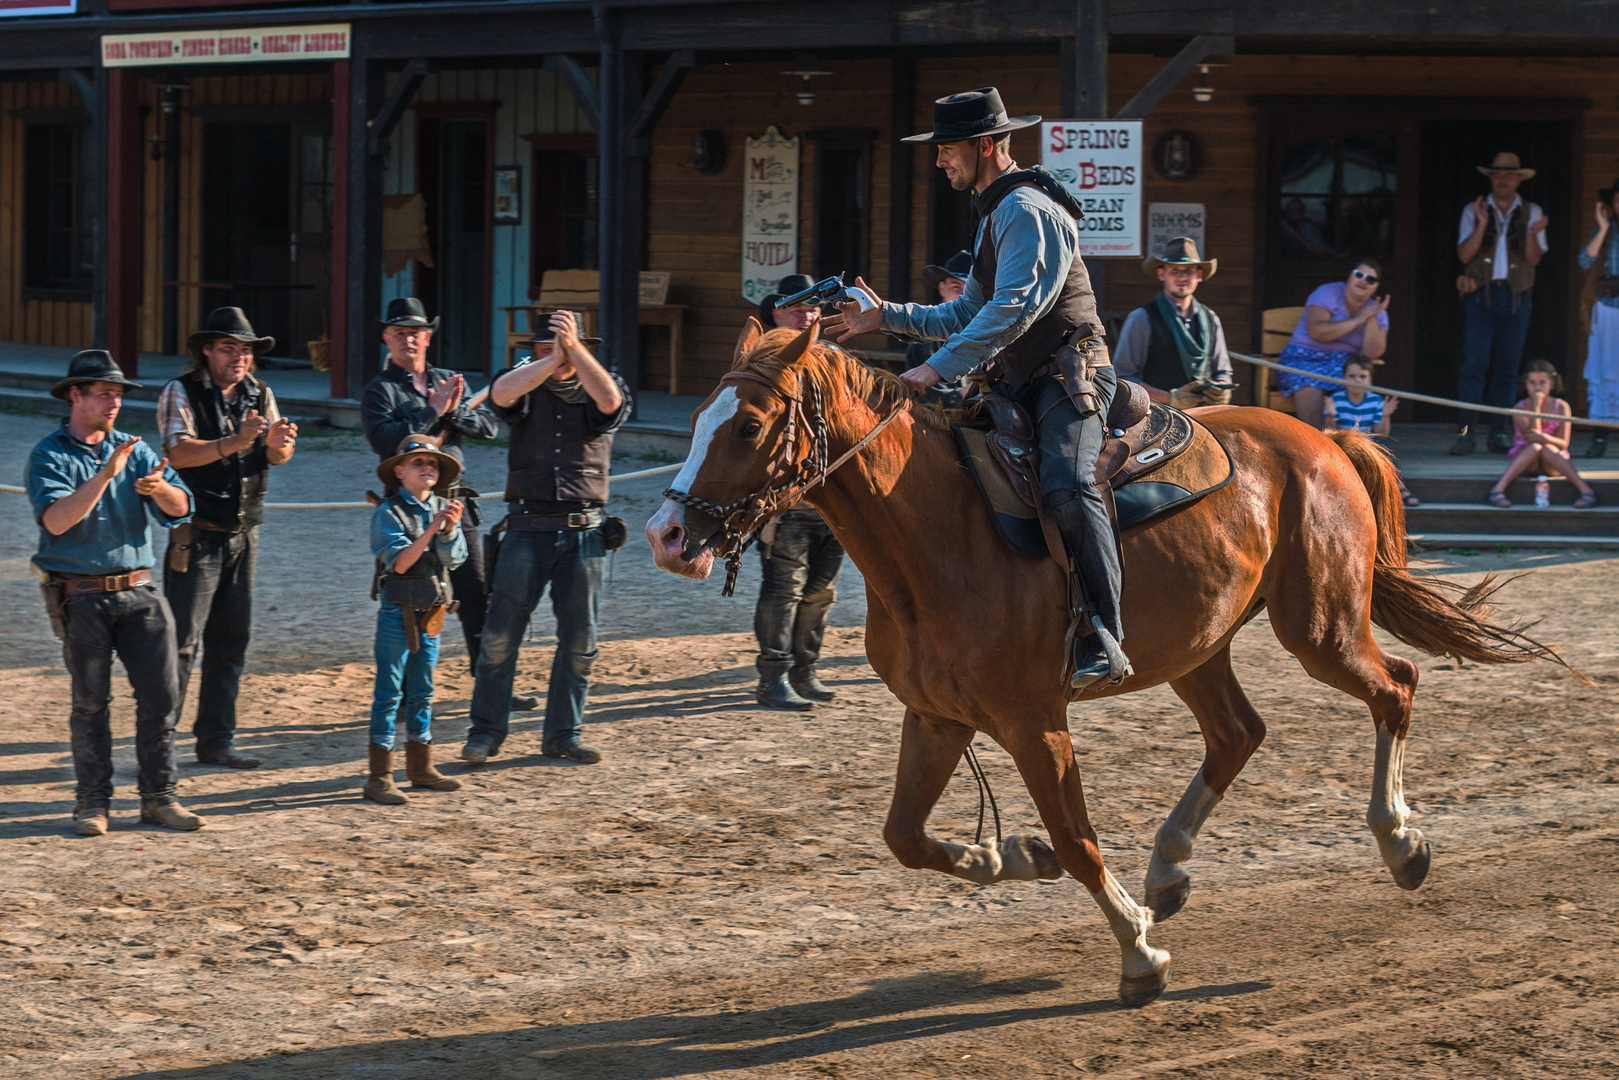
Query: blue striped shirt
[[1363, 417], [1610, 266]]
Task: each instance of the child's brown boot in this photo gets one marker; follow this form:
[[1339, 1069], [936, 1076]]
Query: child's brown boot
[[420, 771], [379, 786]]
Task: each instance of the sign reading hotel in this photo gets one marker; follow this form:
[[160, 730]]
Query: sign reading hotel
[[769, 212], [1100, 162], [226, 46], [10, 9]]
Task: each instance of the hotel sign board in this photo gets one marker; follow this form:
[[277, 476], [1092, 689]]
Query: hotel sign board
[[273, 43], [11, 9], [1099, 161]]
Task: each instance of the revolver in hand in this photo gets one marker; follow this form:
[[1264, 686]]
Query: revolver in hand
[[830, 290]]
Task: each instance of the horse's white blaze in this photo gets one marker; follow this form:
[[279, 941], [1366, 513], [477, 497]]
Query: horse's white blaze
[[721, 409], [1387, 813], [1177, 834], [1129, 923]]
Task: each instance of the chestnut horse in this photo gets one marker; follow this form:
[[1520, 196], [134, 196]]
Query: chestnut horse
[[970, 637]]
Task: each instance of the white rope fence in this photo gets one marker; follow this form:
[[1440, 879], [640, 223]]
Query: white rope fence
[[1412, 395], [12, 489]]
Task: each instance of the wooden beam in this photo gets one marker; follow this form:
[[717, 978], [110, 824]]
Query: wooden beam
[[1090, 60], [579, 84], [1179, 66], [337, 356], [123, 217], [393, 106], [363, 272], [663, 91], [901, 165]]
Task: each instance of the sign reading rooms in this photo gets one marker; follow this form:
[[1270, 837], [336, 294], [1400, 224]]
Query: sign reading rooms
[[227, 46]]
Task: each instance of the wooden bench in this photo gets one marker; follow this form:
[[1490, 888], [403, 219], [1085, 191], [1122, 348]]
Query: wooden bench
[[1279, 326], [579, 291]]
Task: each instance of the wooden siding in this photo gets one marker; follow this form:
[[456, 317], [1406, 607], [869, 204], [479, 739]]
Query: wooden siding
[[529, 101], [35, 322]]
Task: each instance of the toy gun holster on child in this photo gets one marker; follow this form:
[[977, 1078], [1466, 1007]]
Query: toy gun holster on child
[[830, 290]]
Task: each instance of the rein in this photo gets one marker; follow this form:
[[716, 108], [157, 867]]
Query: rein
[[786, 480]]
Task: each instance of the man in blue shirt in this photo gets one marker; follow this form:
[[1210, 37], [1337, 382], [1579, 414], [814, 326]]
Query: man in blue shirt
[[1029, 314], [92, 488]]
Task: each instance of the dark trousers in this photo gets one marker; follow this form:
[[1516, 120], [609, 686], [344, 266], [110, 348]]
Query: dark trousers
[[573, 563], [800, 571], [213, 607], [469, 587], [1069, 445], [1493, 334], [137, 625]]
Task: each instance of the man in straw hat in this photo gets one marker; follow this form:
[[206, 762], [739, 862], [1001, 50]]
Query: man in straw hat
[[1029, 317], [223, 432], [93, 488], [1174, 346], [1502, 240], [562, 407]]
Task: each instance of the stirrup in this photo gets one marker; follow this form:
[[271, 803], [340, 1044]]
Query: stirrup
[[1118, 664]]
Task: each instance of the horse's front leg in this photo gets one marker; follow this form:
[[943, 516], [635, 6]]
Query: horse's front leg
[[929, 751], [1045, 756]]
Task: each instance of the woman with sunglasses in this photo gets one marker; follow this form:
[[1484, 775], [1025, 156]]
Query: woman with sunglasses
[[1341, 319]]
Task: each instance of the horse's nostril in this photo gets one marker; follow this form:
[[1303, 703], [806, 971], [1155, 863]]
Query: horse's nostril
[[673, 536]]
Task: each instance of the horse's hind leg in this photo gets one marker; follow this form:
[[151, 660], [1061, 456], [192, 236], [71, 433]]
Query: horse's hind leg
[[1045, 758], [929, 751], [1232, 731], [1346, 657]]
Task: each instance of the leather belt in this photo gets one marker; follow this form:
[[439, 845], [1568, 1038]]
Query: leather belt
[[207, 526], [580, 519], [79, 584]]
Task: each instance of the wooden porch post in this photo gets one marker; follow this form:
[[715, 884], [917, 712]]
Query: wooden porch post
[[1089, 85], [619, 260], [123, 218], [361, 271], [901, 161], [337, 330]]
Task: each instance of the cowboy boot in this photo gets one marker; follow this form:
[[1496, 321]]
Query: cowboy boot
[[775, 692], [803, 679], [1464, 443], [379, 785], [420, 772], [169, 814], [1598, 447]]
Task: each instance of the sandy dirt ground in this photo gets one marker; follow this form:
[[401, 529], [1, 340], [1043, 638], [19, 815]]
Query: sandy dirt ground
[[715, 898]]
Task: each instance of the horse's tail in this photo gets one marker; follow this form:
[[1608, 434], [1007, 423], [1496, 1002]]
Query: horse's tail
[[1428, 613]]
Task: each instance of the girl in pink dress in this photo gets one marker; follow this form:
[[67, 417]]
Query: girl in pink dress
[[1541, 446]]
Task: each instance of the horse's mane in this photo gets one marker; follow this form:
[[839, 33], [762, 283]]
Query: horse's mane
[[844, 379]]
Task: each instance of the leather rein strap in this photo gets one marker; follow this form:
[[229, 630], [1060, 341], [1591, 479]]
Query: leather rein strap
[[785, 482]]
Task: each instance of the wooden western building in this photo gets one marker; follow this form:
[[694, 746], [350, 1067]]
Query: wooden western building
[[461, 151]]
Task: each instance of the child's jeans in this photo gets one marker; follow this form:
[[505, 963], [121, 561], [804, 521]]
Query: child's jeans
[[402, 674]]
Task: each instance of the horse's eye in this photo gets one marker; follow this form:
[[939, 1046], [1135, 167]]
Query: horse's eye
[[750, 429]]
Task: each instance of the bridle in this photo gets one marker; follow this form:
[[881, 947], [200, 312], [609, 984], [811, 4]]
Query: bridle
[[787, 478]]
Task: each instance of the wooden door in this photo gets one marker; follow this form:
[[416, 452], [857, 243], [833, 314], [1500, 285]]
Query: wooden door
[[454, 161]]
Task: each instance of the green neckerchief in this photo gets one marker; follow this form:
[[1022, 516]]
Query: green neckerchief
[[1196, 347]]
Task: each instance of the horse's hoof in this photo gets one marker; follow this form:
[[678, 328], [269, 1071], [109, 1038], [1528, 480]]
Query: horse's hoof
[[1168, 899], [1415, 871], [1026, 857], [1138, 990]]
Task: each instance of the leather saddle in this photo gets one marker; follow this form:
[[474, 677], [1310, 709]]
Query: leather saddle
[[1145, 439]]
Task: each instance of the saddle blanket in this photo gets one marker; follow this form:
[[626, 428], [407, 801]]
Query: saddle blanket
[[1147, 492]]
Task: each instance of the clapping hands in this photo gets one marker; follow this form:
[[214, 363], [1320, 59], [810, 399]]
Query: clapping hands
[[447, 395], [152, 481]]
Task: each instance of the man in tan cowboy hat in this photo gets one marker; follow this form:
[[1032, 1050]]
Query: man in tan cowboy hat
[[223, 432], [1174, 346], [1502, 240]]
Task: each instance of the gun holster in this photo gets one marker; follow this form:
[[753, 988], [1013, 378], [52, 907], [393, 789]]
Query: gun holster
[[491, 554], [1077, 362], [182, 540], [54, 599]]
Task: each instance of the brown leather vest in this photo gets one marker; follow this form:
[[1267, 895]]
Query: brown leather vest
[[1074, 309], [1520, 275]]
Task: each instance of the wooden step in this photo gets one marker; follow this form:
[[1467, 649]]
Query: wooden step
[[1479, 519]]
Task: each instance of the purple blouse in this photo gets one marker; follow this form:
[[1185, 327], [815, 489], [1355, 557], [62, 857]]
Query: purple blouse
[[1330, 297]]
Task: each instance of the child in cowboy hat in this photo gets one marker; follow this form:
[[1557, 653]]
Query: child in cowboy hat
[[416, 537]]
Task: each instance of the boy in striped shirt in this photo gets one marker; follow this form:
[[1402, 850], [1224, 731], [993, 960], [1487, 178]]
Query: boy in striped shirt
[[1353, 409]]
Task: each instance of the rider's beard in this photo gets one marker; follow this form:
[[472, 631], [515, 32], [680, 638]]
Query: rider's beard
[[960, 183]]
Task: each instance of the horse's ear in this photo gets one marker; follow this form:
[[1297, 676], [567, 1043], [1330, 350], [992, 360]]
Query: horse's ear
[[801, 344], [751, 333]]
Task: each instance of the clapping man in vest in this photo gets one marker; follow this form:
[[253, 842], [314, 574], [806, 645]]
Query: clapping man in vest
[[1174, 346], [222, 431], [562, 407], [1502, 240], [1029, 314]]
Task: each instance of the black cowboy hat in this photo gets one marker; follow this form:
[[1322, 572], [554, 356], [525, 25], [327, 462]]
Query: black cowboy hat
[[1605, 195], [787, 286], [1180, 251], [229, 322], [88, 366], [959, 265], [408, 311], [449, 469], [960, 117]]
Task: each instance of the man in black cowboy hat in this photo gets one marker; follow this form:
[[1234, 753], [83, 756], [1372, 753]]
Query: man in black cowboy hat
[[1174, 346], [562, 407], [796, 317], [1029, 314], [93, 488], [947, 281], [411, 397], [223, 432]]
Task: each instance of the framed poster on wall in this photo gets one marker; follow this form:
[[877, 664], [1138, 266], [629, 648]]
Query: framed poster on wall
[[769, 212], [508, 195]]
